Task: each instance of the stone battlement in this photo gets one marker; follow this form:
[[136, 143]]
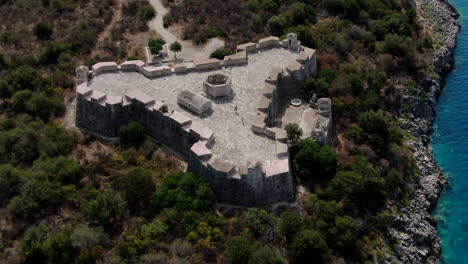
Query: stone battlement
[[258, 185]]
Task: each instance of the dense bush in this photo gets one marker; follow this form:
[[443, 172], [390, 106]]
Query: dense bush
[[61, 169], [146, 12], [155, 45], [220, 54], [314, 160], [42, 31], [184, 191], [308, 245], [239, 249], [10, 182], [137, 187], [267, 255], [31, 246], [106, 208], [132, 134], [290, 223]]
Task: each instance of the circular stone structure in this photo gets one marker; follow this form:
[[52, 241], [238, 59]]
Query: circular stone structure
[[217, 85], [296, 102]]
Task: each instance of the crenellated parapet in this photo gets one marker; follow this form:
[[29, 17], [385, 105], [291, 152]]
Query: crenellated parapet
[[259, 185]]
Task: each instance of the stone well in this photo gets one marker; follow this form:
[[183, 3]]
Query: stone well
[[217, 85]]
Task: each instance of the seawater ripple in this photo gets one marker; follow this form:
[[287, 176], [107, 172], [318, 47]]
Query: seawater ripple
[[450, 146]]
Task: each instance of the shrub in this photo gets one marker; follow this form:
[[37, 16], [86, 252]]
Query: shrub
[[184, 191], [64, 170], [290, 223], [308, 245], [317, 86], [55, 141], [305, 35], [58, 248], [261, 223], [277, 24], [31, 246], [267, 255], [10, 181], [84, 237], [313, 159], [155, 45], [176, 47], [105, 209], [239, 249], [145, 12], [42, 31], [220, 54], [397, 45], [137, 187], [37, 194], [293, 131], [132, 134]]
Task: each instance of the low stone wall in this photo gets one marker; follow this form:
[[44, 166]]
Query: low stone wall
[[104, 114]]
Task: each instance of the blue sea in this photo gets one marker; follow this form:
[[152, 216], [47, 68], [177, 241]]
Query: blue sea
[[450, 145]]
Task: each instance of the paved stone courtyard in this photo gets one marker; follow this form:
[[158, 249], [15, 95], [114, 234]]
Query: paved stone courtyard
[[230, 119]]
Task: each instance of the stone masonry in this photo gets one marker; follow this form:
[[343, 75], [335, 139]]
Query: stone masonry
[[261, 181]]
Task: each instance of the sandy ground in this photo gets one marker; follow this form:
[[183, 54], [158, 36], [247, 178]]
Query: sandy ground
[[189, 50], [231, 120]]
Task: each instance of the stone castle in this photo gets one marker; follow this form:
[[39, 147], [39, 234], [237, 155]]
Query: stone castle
[[225, 117]]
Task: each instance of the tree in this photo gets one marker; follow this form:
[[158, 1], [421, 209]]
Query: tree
[[343, 233], [64, 170], [184, 191], [317, 86], [313, 159], [308, 245], [277, 24], [155, 45], [267, 255], [137, 187], [58, 248], [397, 45], [55, 141], [132, 134], [220, 54], [176, 47], [84, 237], [43, 31], [37, 193], [239, 249], [145, 12], [261, 223], [293, 131], [290, 223], [10, 181], [31, 246], [105, 209]]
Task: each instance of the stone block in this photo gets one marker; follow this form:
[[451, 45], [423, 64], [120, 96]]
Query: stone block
[[180, 68], [259, 123], [222, 166], [108, 66], [235, 59], [268, 42], [281, 149], [193, 102], [201, 150], [209, 64], [202, 131], [281, 135], [98, 96], [83, 89], [151, 71], [273, 75], [113, 100], [180, 119], [263, 104], [249, 47], [140, 97], [279, 167], [132, 65], [268, 89]]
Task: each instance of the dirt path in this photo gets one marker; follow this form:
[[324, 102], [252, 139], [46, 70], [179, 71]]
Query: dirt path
[[117, 16], [189, 50]]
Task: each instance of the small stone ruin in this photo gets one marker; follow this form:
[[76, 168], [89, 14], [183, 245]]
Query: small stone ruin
[[193, 102], [217, 85]]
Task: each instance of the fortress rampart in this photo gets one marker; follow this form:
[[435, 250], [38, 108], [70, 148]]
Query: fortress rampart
[[237, 184]]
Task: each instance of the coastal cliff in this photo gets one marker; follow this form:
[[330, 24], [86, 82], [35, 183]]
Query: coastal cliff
[[414, 237]]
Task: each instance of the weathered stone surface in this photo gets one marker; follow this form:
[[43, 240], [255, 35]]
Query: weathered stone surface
[[248, 47], [193, 102], [217, 85]]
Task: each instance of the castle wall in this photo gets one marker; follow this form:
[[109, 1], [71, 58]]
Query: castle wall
[[259, 186]]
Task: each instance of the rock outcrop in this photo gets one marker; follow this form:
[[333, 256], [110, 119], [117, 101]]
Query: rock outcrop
[[414, 235]]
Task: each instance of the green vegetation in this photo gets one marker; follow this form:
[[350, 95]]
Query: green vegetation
[[155, 45], [176, 47], [220, 54], [87, 202]]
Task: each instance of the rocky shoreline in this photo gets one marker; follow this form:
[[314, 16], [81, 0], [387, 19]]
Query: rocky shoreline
[[414, 236]]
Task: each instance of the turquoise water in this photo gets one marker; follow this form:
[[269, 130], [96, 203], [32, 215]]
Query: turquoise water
[[450, 145]]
